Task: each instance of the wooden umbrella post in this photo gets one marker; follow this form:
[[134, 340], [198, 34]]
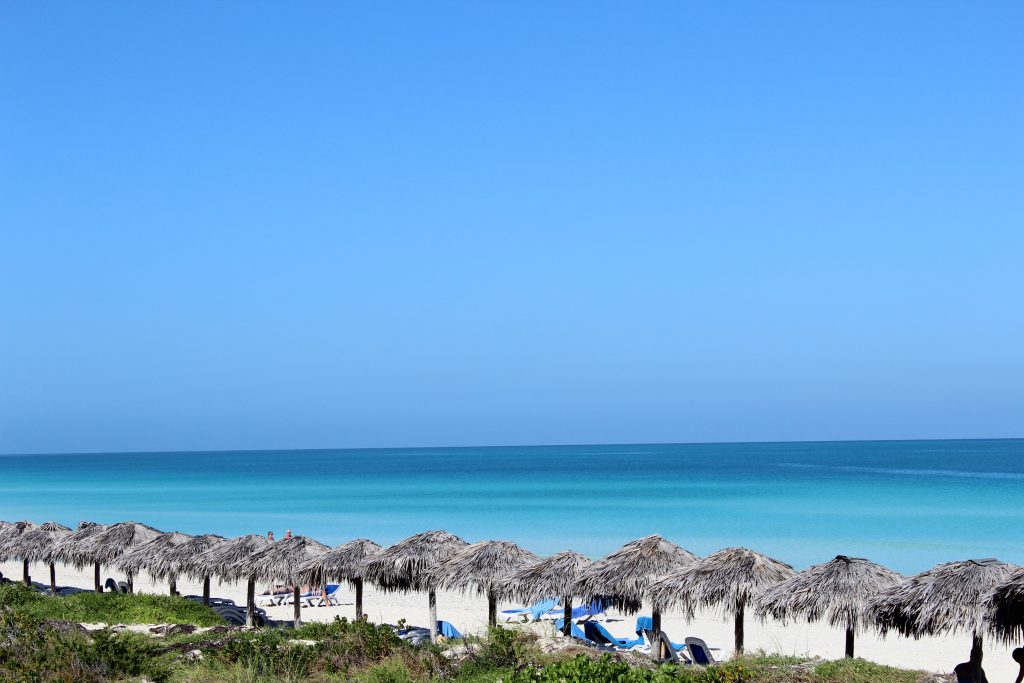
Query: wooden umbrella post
[[250, 603], [566, 616], [738, 648], [297, 611], [849, 641], [492, 609], [432, 608], [96, 570], [206, 591], [359, 597]]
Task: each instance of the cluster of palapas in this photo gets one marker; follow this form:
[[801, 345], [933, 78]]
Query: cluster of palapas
[[970, 596]]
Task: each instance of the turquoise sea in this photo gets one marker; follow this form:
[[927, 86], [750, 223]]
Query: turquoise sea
[[907, 504]]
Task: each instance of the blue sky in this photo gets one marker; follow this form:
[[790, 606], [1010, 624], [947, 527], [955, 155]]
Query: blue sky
[[256, 225]]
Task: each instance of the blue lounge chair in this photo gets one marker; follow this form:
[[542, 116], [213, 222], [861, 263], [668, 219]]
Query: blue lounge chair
[[647, 624], [533, 612], [599, 634], [699, 652], [445, 629], [594, 608], [574, 630]]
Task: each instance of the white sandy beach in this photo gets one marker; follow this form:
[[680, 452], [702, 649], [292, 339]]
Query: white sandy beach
[[469, 614]]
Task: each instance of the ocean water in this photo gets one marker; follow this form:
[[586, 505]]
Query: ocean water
[[906, 504]]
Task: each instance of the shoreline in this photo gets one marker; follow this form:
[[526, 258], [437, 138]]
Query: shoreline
[[469, 614]]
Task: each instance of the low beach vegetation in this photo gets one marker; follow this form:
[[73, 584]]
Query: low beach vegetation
[[108, 608], [41, 641]]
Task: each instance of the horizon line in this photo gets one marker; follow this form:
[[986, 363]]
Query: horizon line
[[497, 446]]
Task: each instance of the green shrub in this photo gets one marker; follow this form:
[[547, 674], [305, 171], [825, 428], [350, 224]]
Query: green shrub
[[582, 669], [18, 595], [115, 608], [862, 671], [34, 651], [394, 670]]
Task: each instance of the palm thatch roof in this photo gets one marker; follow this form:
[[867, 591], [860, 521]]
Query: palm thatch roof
[[837, 591], [346, 562], [730, 579], [9, 536], [281, 560], [1005, 609], [947, 598], [550, 577], [182, 558], [109, 543], [36, 544], [481, 566], [70, 549], [227, 559], [406, 565], [154, 556], [621, 579]]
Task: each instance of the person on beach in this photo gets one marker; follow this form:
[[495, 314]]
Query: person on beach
[[1018, 656], [270, 536], [288, 534]]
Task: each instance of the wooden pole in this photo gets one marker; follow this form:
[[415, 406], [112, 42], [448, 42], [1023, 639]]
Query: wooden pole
[[53, 578], [976, 654], [738, 649], [567, 616], [849, 641], [250, 603], [24, 573], [432, 608], [492, 608], [173, 581], [206, 591], [96, 569], [297, 611], [659, 646], [131, 583], [359, 598]]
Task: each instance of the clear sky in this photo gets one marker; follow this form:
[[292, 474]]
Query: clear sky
[[329, 224]]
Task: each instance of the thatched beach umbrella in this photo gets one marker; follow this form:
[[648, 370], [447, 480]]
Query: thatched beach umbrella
[[181, 559], [730, 579], [109, 544], [621, 579], [948, 598], [281, 560], [344, 563], [228, 561], [37, 544], [838, 591], [406, 566], [1005, 609], [155, 557], [71, 550], [482, 566], [9, 536], [551, 577]]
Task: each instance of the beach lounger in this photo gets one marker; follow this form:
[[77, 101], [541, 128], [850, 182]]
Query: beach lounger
[[574, 630], [600, 635], [447, 630], [531, 613], [318, 598], [272, 599], [593, 611], [646, 624], [699, 652]]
